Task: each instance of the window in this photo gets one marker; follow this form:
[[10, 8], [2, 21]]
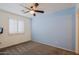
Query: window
[[16, 26], [12, 26], [20, 26]]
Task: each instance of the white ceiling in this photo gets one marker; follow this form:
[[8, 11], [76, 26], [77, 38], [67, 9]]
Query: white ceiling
[[47, 7]]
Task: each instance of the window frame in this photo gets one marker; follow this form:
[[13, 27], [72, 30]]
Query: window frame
[[17, 26]]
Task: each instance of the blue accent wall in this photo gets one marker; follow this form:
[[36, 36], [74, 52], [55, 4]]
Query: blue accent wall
[[55, 29]]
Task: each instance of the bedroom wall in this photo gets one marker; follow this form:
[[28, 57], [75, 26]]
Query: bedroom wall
[[55, 29], [77, 28], [7, 39]]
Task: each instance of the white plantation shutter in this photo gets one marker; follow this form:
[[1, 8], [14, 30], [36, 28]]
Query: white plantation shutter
[[16, 26], [20, 26], [12, 26]]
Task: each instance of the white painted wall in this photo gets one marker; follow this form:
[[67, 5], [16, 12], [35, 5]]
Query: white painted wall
[[7, 39], [77, 29]]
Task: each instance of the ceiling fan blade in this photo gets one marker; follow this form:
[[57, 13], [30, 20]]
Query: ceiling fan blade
[[39, 11], [25, 7], [26, 11]]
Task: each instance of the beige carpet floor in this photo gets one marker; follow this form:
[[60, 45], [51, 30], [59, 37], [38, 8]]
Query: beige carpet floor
[[34, 48]]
